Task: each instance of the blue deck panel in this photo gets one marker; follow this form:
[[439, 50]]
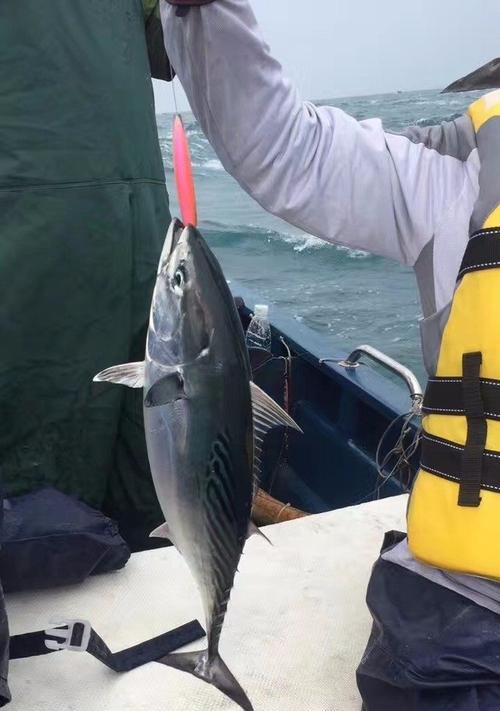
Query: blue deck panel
[[343, 413]]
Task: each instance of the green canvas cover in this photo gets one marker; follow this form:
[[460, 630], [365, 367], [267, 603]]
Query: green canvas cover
[[83, 215]]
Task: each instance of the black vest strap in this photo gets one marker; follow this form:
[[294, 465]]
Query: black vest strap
[[444, 458], [444, 396], [472, 456], [482, 252], [33, 644]]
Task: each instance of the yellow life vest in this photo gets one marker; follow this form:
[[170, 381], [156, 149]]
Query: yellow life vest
[[454, 509]]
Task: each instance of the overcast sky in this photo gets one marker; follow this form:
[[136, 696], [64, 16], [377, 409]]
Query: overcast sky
[[337, 48]]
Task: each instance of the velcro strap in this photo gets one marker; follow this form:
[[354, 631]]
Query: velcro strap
[[32, 644], [482, 252], [444, 396]]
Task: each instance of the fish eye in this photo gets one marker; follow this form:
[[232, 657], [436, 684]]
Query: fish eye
[[179, 277]]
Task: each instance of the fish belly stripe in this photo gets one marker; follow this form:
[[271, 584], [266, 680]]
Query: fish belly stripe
[[225, 552], [220, 500], [222, 574], [221, 456], [221, 453], [224, 485], [218, 496], [223, 570], [220, 581], [223, 536], [222, 531]]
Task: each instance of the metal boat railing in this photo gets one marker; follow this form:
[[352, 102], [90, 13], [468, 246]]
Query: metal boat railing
[[393, 366]]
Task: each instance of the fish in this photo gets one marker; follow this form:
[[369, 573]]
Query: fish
[[183, 172], [204, 421]]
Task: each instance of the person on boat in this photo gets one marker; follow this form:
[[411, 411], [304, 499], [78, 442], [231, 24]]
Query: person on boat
[[84, 214], [405, 196], [411, 197]]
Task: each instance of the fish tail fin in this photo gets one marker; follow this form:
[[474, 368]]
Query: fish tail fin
[[214, 671]]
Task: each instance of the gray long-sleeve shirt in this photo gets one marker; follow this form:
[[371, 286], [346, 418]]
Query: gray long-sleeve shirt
[[405, 196]]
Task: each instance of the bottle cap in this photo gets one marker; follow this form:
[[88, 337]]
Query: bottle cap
[[261, 310]]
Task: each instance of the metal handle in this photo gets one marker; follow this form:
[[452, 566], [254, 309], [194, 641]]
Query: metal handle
[[388, 363]]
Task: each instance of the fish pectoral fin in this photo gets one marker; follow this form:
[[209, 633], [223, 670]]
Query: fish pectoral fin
[[266, 415], [130, 374], [162, 531], [167, 389], [253, 530]]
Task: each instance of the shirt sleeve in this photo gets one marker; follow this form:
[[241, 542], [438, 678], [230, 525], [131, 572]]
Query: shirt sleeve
[[344, 181]]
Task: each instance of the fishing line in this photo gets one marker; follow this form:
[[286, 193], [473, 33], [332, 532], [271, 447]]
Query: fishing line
[[402, 450], [172, 82], [173, 91]]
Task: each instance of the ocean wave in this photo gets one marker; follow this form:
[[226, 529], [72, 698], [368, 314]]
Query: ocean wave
[[302, 242], [212, 164], [203, 158], [354, 253], [308, 243], [234, 235]]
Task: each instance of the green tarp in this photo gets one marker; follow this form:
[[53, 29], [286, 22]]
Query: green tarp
[[83, 214]]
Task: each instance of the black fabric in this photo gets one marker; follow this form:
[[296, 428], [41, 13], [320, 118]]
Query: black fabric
[[445, 396], [444, 459], [482, 252], [430, 649], [32, 644], [52, 539], [158, 59], [472, 455], [4, 629], [84, 215]]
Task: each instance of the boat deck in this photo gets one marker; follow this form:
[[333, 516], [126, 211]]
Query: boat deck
[[296, 628]]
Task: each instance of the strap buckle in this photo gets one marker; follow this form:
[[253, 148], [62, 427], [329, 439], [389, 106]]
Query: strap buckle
[[73, 635]]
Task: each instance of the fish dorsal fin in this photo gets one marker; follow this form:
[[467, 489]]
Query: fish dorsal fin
[[266, 415], [130, 374]]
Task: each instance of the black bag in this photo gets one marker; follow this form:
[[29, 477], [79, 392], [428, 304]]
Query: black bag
[[51, 539], [4, 634], [431, 649]]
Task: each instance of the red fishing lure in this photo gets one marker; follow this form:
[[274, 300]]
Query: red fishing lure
[[183, 172]]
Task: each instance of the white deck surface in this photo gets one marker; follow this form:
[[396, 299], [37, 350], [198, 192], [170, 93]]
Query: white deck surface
[[295, 632]]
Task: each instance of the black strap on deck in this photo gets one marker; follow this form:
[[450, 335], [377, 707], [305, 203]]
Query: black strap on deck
[[34, 644], [472, 456], [482, 252]]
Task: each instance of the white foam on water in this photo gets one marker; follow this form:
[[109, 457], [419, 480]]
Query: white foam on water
[[212, 164]]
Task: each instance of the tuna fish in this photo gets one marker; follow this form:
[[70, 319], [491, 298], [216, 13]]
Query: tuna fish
[[203, 420]]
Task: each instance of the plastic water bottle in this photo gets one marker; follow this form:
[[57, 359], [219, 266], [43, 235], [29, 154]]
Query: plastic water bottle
[[259, 329]]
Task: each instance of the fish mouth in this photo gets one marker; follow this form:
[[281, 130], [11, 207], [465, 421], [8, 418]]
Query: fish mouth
[[174, 233]]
